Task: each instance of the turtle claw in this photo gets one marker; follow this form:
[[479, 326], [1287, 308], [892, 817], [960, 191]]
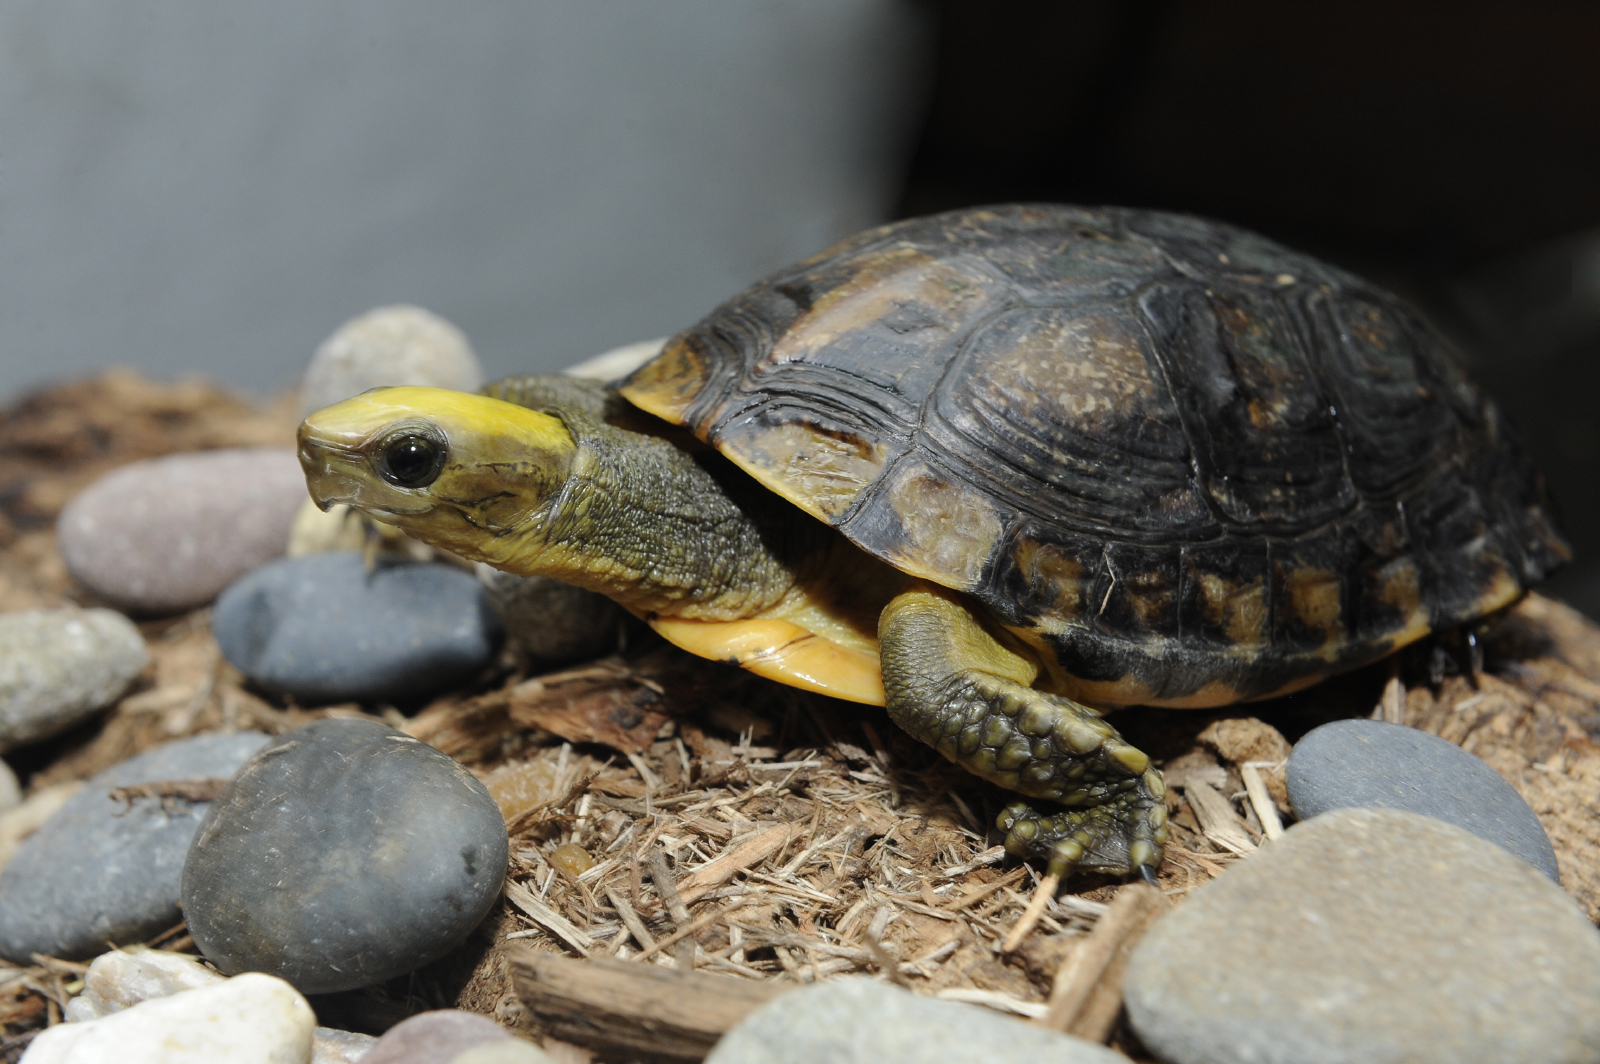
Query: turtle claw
[[1123, 835]]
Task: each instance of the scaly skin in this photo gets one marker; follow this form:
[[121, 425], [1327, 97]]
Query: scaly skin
[[953, 685], [553, 490]]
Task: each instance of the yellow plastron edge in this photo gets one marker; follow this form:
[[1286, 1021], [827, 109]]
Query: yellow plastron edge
[[781, 651]]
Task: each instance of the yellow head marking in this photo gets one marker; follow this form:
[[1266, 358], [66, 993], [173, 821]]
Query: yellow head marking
[[448, 467], [466, 413]]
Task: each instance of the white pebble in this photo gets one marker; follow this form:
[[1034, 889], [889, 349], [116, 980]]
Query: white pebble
[[249, 1019], [120, 980]]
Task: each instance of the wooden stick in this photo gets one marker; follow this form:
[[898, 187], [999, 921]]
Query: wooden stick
[[705, 920], [676, 908], [633, 1011], [1030, 915], [747, 854], [1217, 818], [630, 920], [1266, 809], [1008, 880], [1392, 707], [548, 918], [1087, 994]]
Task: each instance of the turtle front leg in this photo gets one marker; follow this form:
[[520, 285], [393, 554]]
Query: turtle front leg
[[953, 685]]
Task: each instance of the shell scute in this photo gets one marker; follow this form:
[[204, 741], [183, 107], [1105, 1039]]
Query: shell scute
[[1187, 464]]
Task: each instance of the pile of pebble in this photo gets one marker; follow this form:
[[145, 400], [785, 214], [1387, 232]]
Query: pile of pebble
[[1414, 913]]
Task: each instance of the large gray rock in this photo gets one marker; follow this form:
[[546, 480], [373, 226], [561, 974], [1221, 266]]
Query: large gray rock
[[1371, 763], [323, 628], [102, 870], [343, 854], [168, 534], [57, 667], [1371, 936], [860, 1021], [388, 346]]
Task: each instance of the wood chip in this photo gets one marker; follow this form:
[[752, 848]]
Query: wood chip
[[747, 854], [682, 933], [1087, 994], [1010, 879], [1217, 819], [548, 918], [995, 1000], [630, 919], [661, 875], [1260, 800], [1030, 916], [1392, 706], [633, 1011]]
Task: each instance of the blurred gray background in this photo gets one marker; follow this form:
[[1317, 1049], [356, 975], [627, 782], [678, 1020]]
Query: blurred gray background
[[194, 187]]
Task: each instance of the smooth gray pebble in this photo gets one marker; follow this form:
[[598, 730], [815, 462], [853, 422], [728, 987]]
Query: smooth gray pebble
[[861, 1021], [1374, 764], [59, 667], [1371, 936], [324, 628], [168, 534], [101, 870], [344, 854]]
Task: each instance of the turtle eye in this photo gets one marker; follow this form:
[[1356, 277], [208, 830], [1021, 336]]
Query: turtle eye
[[411, 460]]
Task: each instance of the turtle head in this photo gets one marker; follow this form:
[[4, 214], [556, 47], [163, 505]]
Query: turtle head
[[464, 472]]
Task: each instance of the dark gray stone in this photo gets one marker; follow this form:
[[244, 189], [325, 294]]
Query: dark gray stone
[[343, 854], [1371, 936], [1373, 764], [324, 629], [549, 623], [58, 667], [861, 1021], [167, 534], [101, 870], [436, 1037]]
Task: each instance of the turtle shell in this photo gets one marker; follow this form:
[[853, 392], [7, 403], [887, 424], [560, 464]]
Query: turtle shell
[[1188, 464]]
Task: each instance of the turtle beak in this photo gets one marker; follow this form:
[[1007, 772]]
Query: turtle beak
[[338, 471], [328, 476]]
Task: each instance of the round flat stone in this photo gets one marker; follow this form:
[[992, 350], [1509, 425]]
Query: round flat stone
[[436, 1037], [57, 667], [343, 854], [1372, 936], [167, 534], [102, 870], [324, 629], [1374, 764], [389, 346], [862, 1021]]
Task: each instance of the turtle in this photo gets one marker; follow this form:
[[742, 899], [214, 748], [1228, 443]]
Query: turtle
[[1002, 470]]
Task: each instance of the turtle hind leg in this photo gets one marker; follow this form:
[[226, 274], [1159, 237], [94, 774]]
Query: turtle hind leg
[[950, 683]]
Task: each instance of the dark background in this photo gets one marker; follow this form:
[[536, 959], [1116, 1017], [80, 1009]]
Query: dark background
[[1448, 151]]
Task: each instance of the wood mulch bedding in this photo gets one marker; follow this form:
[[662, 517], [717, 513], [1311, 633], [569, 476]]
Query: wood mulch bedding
[[675, 821]]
